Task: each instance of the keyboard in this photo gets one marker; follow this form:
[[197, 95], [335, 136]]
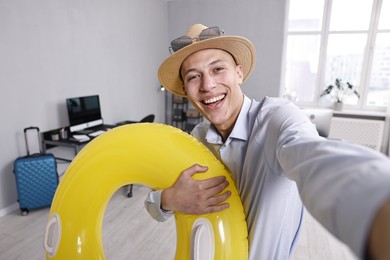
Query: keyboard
[[80, 138], [96, 133]]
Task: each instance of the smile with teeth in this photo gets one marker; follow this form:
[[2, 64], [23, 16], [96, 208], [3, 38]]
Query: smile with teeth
[[213, 100]]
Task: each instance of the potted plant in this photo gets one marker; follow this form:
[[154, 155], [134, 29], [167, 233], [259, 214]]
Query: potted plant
[[339, 91]]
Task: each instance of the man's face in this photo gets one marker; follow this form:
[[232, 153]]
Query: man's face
[[212, 84]]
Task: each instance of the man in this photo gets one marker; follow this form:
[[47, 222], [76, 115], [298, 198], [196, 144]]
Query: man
[[275, 155]]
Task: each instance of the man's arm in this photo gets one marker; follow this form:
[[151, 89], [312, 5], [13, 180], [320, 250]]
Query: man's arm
[[379, 237], [152, 205], [189, 196], [342, 185]]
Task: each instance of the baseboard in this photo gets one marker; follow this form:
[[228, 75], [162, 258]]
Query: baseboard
[[8, 209]]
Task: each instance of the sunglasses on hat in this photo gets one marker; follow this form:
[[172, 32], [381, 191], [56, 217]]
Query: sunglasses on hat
[[205, 34]]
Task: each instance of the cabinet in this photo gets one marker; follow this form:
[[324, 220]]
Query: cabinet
[[182, 115]]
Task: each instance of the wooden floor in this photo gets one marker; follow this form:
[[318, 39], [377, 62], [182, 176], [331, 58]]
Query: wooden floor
[[130, 233]]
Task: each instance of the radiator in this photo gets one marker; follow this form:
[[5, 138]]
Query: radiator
[[365, 132]]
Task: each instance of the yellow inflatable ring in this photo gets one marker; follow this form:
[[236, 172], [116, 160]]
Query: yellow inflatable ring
[[149, 154]]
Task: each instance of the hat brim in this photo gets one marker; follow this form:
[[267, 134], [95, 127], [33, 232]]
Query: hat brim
[[242, 50]]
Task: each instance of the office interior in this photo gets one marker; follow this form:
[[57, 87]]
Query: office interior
[[53, 50]]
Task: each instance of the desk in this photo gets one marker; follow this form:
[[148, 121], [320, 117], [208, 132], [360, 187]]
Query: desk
[[47, 141]]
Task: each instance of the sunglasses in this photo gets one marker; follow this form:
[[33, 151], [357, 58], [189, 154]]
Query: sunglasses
[[205, 34]]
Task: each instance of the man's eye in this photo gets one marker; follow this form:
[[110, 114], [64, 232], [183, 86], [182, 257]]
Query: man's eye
[[219, 69], [189, 78]]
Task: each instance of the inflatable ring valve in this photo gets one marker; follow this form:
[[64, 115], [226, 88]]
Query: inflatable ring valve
[[148, 154]]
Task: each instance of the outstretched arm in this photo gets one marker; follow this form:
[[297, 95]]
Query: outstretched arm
[[343, 185]]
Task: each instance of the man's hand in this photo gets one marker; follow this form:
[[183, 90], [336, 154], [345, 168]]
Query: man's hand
[[379, 237], [191, 196]]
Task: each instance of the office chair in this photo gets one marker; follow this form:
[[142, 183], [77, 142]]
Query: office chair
[[146, 119]]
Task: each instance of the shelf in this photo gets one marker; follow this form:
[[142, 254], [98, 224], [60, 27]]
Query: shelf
[[181, 114]]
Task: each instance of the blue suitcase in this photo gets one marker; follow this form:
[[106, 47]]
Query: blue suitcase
[[36, 177]]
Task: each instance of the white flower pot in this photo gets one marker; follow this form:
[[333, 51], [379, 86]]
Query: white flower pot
[[338, 106]]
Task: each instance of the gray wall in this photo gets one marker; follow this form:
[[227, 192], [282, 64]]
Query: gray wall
[[54, 49]]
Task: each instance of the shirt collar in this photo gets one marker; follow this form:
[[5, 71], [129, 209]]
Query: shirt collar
[[240, 129]]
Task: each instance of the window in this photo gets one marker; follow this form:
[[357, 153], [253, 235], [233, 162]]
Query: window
[[329, 39]]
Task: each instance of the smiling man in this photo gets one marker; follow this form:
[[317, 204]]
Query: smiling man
[[275, 155], [212, 83]]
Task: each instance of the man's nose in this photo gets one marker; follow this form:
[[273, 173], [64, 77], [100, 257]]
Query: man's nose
[[208, 82]]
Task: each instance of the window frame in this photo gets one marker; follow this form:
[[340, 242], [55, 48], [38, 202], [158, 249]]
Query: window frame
[[324, 32]]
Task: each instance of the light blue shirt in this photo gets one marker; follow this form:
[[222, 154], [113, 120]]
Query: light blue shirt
[[275, 156]]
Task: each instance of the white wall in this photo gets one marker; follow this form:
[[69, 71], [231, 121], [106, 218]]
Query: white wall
[[54, 49], [261, 21]]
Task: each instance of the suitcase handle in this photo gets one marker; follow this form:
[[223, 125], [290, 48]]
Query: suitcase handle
[[31, 128], [38, 135]]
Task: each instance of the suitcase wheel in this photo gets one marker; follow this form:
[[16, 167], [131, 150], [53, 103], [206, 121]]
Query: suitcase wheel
[[24, 212]]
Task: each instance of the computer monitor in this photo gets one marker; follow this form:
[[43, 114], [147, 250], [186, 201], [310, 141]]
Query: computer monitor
[[321, 118], [84, 112]]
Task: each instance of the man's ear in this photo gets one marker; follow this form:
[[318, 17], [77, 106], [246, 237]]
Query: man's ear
[[240, 73], [184, 89]]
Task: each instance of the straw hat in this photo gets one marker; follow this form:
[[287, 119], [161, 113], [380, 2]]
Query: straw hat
[[242, 50]]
